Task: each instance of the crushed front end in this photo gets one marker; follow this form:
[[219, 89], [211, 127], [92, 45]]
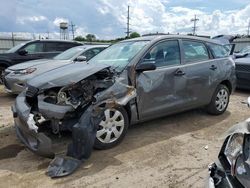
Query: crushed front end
[[77, 107]]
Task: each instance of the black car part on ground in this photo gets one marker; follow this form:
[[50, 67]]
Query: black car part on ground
[[236, 175]]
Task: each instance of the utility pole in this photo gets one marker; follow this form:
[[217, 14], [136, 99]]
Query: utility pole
[[248, 29], [47, 34], [195, 19], [13, 39], [72, 29], [128, 29]]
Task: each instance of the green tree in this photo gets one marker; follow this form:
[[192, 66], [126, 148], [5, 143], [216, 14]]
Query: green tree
[[90, 37], [134, 35], [79, 38]]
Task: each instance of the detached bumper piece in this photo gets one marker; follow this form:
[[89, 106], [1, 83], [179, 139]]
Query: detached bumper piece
[[62, 166], [83, 134], [37, 142]]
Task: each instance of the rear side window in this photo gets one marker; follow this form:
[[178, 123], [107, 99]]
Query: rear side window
[[164, 54], [194, 51], [57, 46], [218, 51]]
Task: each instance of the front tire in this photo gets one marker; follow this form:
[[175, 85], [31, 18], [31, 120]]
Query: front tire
[[1, 74], [220, 100], [112, 128]]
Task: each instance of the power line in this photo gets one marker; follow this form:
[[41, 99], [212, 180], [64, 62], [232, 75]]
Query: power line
[[195, 19], [72, 29]]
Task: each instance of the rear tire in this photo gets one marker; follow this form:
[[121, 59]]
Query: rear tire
[[112, 128], [219, 101], [1, 74]]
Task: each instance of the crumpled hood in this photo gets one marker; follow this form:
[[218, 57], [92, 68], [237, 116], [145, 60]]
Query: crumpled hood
[[65, 75], [37, 64]]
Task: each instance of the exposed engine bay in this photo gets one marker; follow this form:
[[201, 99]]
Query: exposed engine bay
[[81, 93]]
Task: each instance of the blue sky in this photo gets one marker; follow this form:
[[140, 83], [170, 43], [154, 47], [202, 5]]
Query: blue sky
[[107, 18]]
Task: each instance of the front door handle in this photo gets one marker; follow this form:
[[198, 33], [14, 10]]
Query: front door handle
[[179, 72], [213, 67]]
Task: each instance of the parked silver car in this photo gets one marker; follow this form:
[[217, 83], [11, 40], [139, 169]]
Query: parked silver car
[[130, 82], [16, 76]]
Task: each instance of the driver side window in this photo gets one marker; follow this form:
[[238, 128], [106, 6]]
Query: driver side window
[[34, 48], [164, 54]]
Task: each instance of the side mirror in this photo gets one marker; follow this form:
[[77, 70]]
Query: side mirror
[[81, 58], [22, 52], [248, 102], [145, 67]]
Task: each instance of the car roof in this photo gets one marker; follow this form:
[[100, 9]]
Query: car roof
[[161, 37], [52, 40]]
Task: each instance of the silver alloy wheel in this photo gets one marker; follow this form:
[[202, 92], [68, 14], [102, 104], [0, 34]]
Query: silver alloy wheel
[[111, 126], [221, 100]]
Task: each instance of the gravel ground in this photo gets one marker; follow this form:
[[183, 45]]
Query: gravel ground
[[169, 152]]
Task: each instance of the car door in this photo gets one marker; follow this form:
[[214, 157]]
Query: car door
[[34, 51], [161, 91], [198, 69]]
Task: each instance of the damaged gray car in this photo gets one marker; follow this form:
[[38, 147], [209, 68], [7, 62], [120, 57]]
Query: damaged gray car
[[130, 82]]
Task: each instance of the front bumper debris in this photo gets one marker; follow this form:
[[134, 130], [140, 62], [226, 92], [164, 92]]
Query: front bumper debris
[[62, 166], [37, 142]]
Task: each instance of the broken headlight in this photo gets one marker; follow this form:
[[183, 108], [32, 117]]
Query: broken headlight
[[234, 148], [76, 94]]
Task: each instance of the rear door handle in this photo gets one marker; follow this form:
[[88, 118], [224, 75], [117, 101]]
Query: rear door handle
[[179, 72], [213, 67]]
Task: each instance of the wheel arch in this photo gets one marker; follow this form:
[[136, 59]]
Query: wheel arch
[[4, 64], [228, 84]]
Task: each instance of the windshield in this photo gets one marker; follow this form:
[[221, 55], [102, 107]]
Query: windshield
[[119, 55], [245, 50], [15, 48], [69, 54]]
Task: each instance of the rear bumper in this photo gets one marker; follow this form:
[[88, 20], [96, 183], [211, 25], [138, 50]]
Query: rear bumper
[[37, 142]]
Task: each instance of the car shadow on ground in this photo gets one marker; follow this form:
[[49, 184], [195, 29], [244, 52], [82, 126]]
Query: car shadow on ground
[[147, 133]]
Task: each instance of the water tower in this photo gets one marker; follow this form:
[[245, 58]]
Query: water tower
[[64, 34]]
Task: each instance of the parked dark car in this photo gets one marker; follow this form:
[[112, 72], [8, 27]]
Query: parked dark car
[[242, 62], [130, 82], [232, 169], [36, 49], [243, 72], [16, 76]]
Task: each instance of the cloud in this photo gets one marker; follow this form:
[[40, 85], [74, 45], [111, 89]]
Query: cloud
[[57, 21], [107, 18], [25, 19]]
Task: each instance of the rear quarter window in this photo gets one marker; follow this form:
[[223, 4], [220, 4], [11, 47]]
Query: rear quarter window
[[218, 51]]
